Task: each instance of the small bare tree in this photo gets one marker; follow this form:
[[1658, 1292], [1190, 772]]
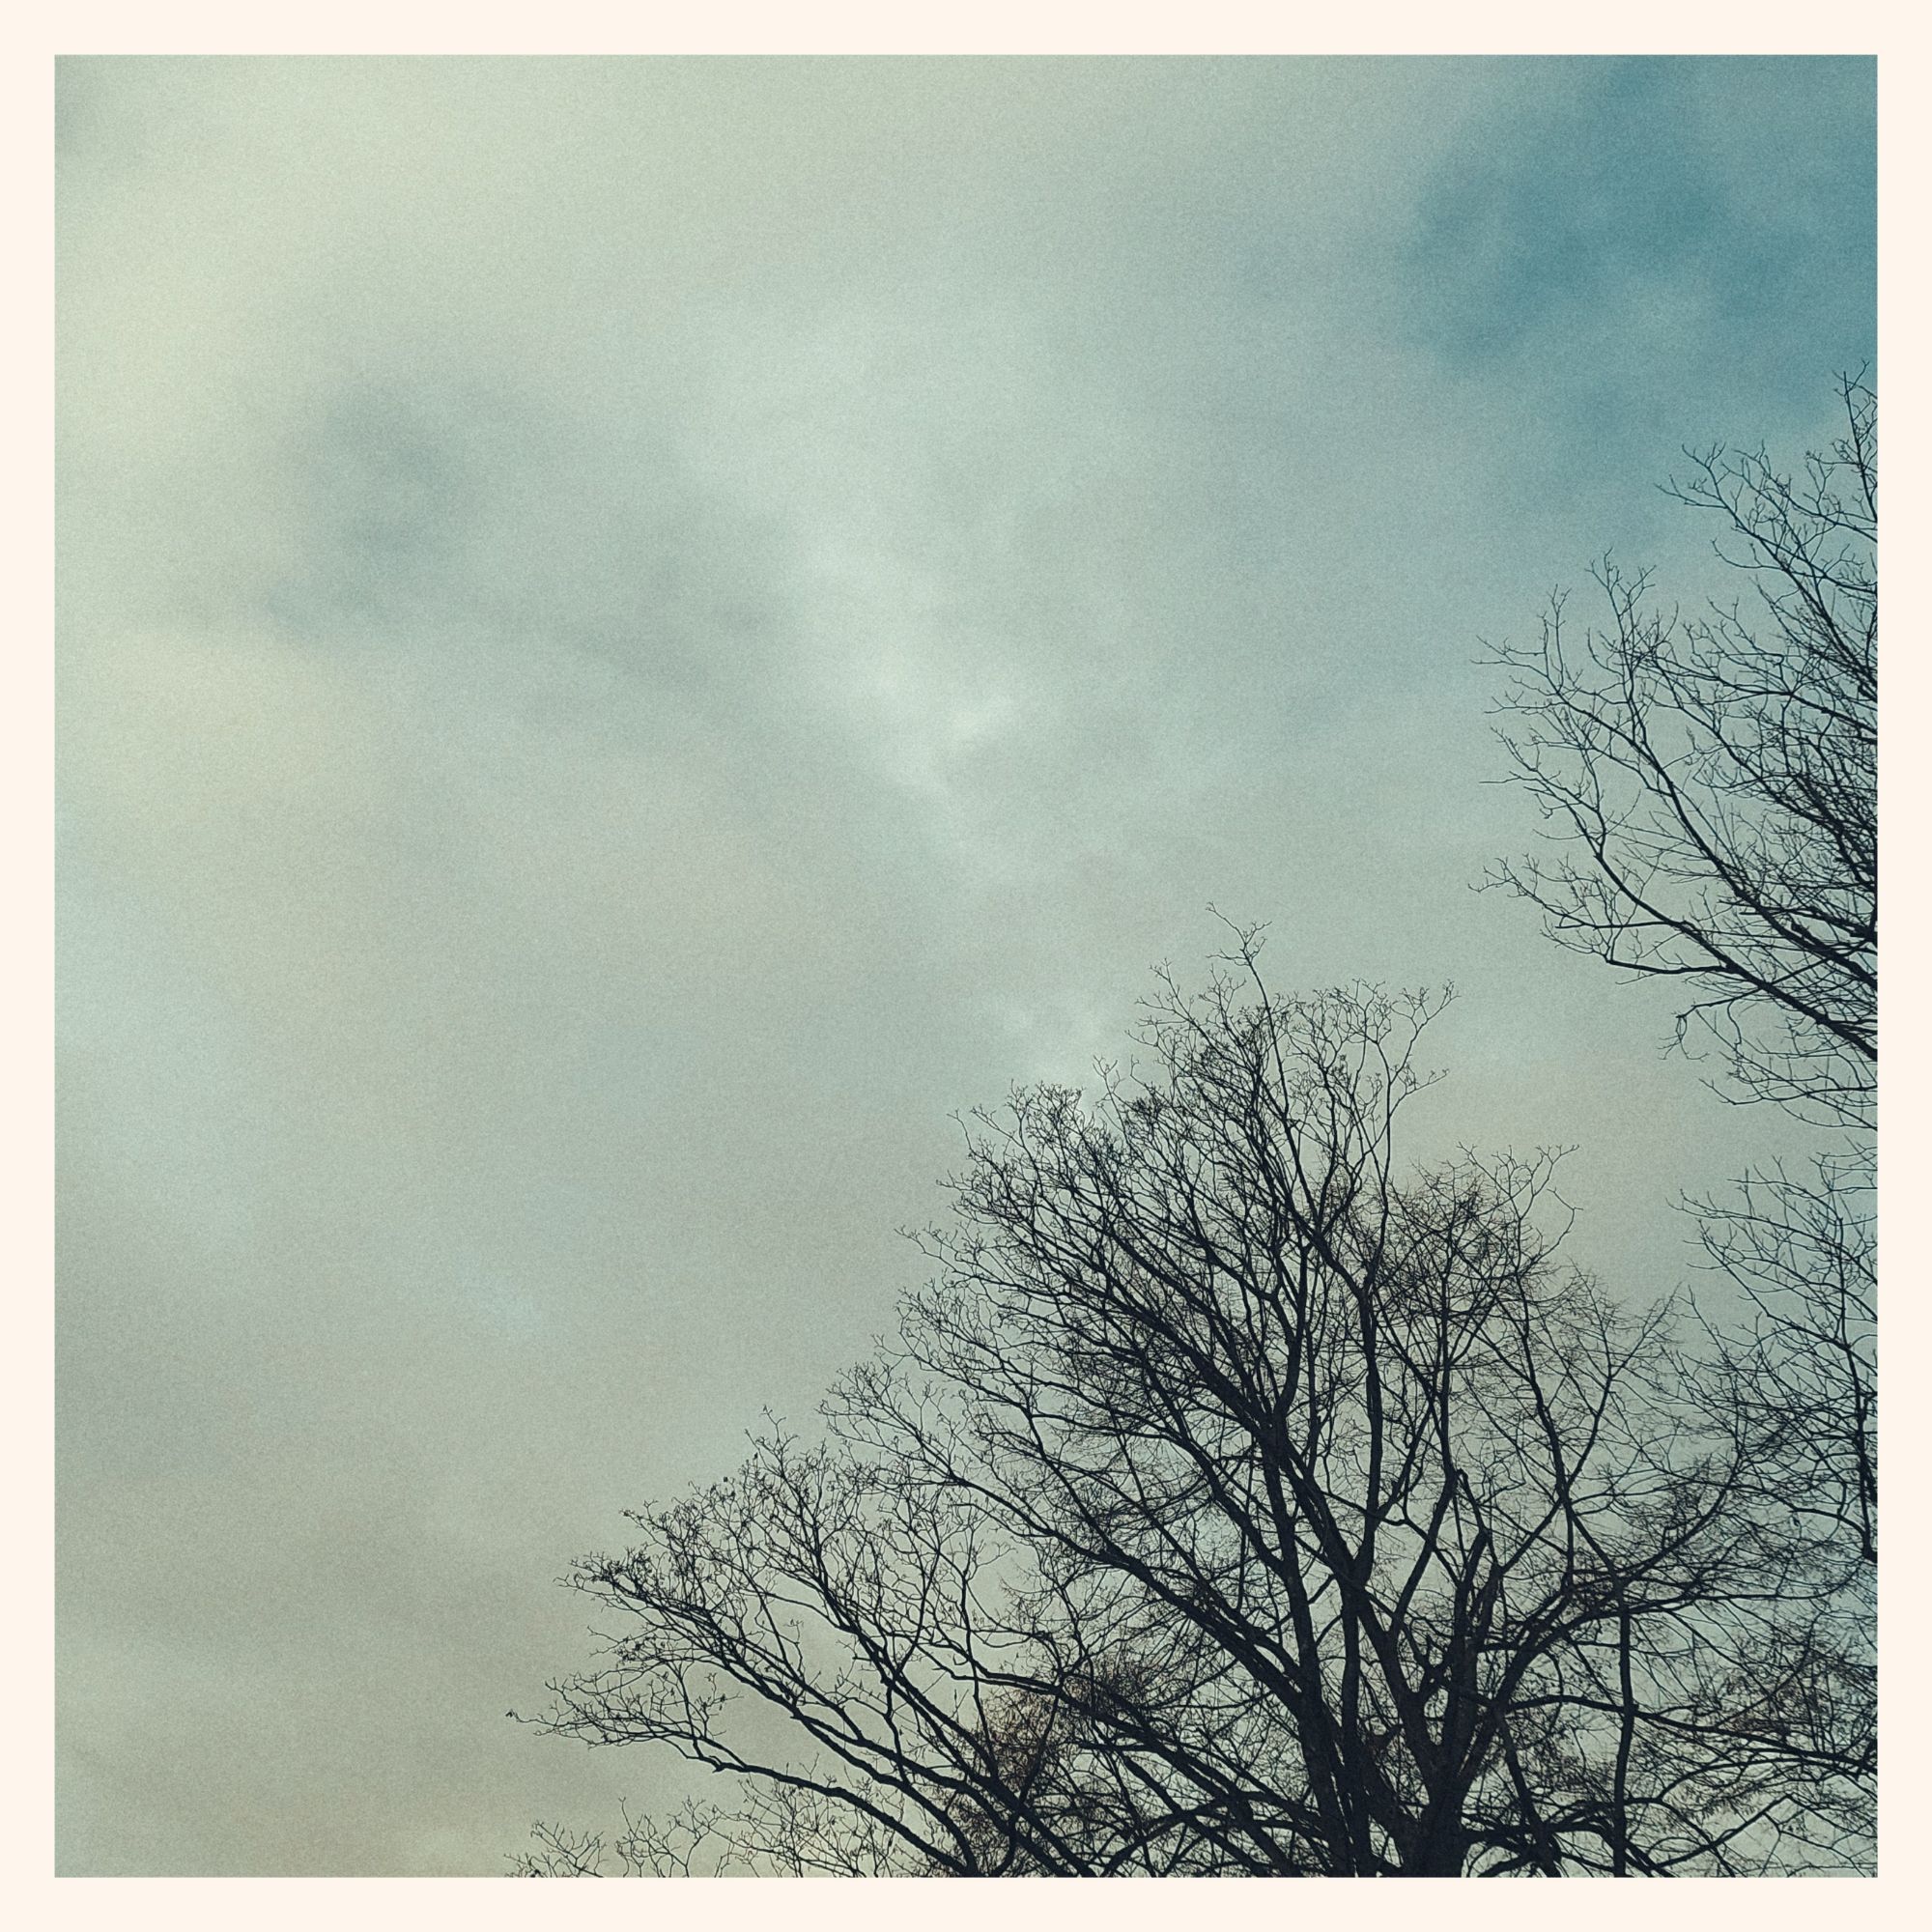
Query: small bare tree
[[1712, 781], [1233, 1500]]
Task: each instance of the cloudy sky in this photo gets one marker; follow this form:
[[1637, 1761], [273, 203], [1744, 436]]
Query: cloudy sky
[[635, 635]]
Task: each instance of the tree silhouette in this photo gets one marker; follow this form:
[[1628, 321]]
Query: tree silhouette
[[1237, 1499], [1712, 781], [1712, 784]]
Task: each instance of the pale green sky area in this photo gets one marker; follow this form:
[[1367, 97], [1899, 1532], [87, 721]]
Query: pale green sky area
[[634, 635]]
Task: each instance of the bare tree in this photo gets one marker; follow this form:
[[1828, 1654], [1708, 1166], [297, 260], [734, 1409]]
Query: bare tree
[[1711, 784], [1236, 1500], [1712, 781]]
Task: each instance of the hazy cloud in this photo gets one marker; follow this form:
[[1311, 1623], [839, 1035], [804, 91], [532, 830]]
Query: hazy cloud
[[634, 634]]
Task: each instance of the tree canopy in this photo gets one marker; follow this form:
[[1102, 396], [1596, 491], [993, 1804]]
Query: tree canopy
[[1243, 1496]]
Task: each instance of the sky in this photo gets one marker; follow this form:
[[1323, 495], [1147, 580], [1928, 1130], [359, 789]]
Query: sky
[[634, 636]]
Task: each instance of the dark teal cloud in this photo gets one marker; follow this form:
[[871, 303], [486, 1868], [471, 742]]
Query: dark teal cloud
[[1716, 212]]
